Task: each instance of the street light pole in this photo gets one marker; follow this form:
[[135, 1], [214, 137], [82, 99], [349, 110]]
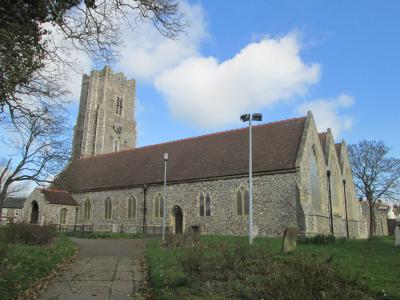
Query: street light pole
[[165, 193], [245, 118], [250, 186]]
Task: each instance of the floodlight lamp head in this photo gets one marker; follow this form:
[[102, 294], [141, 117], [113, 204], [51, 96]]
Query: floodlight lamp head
[[256, 117], [165, 156], [245, 117]]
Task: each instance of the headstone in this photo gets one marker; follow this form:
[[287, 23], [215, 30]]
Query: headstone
[[397, 236], [289, 239]]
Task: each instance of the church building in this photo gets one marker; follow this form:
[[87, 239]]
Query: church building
[[300, 177]]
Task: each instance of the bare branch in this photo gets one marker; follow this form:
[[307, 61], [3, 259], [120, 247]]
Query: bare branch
[[376, 175]]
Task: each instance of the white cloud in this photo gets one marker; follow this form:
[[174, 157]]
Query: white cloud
[[327, 113], [210, 94], [146, 53]]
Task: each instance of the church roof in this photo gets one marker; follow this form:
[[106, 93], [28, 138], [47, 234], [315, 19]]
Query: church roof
[[59, 197], [275, 147]]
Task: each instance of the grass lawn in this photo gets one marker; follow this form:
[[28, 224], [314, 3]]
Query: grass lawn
[[22, 266], [372, 265]]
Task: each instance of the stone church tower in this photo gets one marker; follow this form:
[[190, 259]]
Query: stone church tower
[[106, 114]]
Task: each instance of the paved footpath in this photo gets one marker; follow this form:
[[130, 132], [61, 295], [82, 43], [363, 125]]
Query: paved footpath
[[106, 269]]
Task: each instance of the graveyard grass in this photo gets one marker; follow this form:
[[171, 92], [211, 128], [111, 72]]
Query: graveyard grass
[[22, 266], [370, 264]]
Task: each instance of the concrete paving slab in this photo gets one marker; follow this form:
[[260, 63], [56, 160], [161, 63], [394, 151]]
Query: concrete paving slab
[[106, 269], [123, 276], [139, 276], [88, 283], [95, 275], [98, 293], [125, 268], [55, 291]]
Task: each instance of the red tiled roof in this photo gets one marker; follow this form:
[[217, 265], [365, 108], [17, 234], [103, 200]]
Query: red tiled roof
[[275, 147], [59, 197]]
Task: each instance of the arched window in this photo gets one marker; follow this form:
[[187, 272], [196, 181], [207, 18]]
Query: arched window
[[118, 109], [132, 207], [63, 216], [315, 180], [107, 208], [242, 201], [158, 206], [205, 204], [86, 210]]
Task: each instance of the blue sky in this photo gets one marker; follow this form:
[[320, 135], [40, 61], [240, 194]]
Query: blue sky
[[341, 59]]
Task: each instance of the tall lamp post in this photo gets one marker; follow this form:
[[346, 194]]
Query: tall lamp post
[[249, 118], [165, 194]]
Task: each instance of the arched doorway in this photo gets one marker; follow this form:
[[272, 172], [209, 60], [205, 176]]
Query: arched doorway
[[35, 213], [178, 219]]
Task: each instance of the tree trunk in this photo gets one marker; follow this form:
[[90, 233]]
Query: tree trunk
[[2, 197], [371, 218]]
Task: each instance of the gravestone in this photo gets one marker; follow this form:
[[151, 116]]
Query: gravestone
[[289, 239], [397, 236]]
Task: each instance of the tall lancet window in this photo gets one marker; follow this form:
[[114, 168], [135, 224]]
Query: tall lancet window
[[107, 208], [205, 204], [86, 215], [118, 109], [131, 207], [159, 206], [314, 180], [242, 201]]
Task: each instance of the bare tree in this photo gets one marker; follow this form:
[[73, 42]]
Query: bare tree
[[36, 34], [40, 145], [376, 175]]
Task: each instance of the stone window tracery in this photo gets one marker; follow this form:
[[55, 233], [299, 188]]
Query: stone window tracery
[[63, 216], [86, 210], [132, 207], [242, 201], [205, 204], [158, 206], [107, 208]]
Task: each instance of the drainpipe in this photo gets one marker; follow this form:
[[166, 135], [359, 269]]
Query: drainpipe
[[345, 206], [144, 208], [328, 173]]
